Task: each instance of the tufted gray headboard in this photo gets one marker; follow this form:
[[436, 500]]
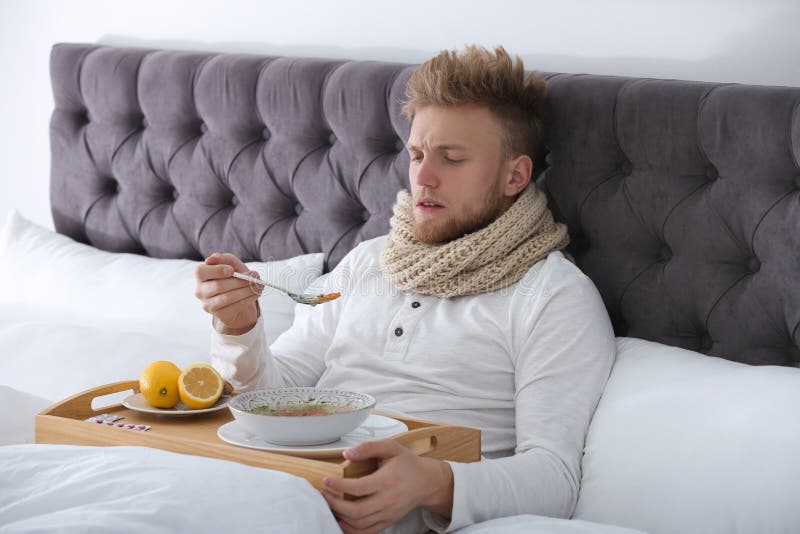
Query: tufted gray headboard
[[682, 198]]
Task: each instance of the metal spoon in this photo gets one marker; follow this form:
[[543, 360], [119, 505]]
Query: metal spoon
[[310, 300]]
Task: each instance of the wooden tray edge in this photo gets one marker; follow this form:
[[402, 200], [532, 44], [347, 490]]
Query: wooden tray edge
[[63, 423]]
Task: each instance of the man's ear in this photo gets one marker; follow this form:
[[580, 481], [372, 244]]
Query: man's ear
[[520, 171]]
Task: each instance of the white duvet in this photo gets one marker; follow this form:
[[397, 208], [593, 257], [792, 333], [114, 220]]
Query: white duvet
[[65, 489], [60, 488]]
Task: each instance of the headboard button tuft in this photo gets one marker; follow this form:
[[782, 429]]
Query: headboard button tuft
[[112, 186], [234, 201], [331, 138], [626, 168], [298, 209], [706, 342], [175, 194], [666, 253], [753, 265], [264, 134], [712, 173], [203, 128]]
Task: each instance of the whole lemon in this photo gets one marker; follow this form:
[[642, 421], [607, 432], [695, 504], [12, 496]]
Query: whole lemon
[[159, 384]]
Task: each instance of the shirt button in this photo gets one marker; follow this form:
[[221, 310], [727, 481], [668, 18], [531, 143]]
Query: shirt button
[[398, 331], [415, 304]]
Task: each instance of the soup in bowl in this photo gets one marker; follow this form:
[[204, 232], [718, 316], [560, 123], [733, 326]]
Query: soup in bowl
[[301, 416]]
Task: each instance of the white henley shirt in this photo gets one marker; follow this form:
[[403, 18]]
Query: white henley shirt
[[525, 364]]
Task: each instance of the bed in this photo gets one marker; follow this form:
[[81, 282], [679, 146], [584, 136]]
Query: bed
[[683, 204]]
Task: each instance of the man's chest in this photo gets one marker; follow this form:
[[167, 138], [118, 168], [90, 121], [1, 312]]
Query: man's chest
[[440, 333]]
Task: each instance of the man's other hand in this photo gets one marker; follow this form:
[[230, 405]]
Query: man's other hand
[[232, 302], [402, 482]]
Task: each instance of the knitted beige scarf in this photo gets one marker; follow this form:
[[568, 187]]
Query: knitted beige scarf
[[488, 259]]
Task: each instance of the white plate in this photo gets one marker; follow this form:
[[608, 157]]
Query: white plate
[[139, 404], [374, 427]]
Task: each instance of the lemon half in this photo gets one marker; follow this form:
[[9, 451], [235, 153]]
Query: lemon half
[[200, 386]]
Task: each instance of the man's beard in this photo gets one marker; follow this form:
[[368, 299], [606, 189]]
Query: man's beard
[[454, 226]]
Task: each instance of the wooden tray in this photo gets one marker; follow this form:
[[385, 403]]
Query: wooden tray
[[64, 423]]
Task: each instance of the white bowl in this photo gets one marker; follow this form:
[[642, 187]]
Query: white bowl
[[348, 411]]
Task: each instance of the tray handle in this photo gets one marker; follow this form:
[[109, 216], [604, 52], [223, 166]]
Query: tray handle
[[434, 442], [79, 406], [422, 441]]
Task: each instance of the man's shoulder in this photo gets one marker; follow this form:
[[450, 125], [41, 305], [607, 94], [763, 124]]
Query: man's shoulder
[[554, 263], [556, 292], [555, 270], [366, 253], [374, 245]]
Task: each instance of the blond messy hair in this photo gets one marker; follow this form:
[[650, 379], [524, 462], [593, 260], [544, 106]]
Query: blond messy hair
[[480, 77]]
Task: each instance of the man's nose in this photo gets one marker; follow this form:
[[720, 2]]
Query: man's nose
[[426, 175]]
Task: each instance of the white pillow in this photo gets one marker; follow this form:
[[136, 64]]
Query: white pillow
[[683, 442], [45, 274], [56, 360], [17, 415]]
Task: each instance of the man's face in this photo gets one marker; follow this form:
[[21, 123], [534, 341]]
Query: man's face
[[457, 171]]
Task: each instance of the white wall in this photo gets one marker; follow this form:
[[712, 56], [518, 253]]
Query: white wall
[[743, 41]]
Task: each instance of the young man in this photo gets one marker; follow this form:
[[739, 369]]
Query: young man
[[467, 313]]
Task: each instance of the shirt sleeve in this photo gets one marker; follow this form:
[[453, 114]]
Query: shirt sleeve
[[297, 357], [565, 348]]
